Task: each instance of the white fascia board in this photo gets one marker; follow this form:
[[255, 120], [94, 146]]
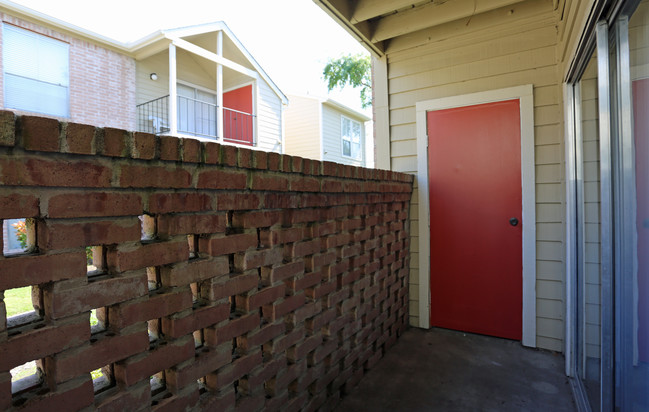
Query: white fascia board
[[199, 51], [348, 110], [195, 29]]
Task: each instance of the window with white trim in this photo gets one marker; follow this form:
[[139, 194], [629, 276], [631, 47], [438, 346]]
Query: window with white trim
[[36, 72], [196, 111], [351, 138]]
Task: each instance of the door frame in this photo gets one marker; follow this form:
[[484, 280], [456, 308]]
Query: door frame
[[525, 96]]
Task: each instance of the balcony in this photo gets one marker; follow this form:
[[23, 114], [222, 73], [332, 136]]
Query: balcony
[[195, 118]]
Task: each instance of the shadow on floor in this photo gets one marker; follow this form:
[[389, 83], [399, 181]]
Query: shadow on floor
[[443, 370]]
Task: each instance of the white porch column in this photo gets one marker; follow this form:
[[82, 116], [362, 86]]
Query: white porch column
[[219, 86], [381, 113], [173, 92]]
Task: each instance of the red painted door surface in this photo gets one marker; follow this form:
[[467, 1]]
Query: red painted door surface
[[641, 132], [237, 116], [475, 189]]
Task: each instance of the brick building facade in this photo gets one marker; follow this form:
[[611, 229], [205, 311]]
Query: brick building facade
[[101, 80]]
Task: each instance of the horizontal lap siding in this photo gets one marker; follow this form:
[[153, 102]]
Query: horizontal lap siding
[[491, 56], [302, 117], [332, 137], [269, 119]]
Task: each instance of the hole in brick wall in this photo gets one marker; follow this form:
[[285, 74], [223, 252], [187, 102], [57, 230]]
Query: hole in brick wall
[[95, 260], [148, 224], [195, 287], [23, 305], [158, 384], [26, 376], [102, 378], [202, 385], [153, 278], [199, 338], [192, 241], [238, 350], [98, 320], [155, 330], [233, 305], [18, 236], [259, 245], [231, 263]]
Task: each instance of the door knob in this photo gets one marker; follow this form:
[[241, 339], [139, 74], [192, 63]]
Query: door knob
[[513, 221]]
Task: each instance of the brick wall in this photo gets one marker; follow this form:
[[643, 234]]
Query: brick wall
[[102, 81], [225, 278]]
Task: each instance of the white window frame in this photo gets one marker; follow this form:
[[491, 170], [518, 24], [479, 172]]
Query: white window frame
[[44, 40], [348, 138]]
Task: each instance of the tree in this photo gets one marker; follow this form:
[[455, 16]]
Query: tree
[[354, 70]]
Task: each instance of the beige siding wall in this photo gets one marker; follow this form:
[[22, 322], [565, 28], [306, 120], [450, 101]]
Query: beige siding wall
[[332, 135], [491, 52], [102, 90], [302, 117]]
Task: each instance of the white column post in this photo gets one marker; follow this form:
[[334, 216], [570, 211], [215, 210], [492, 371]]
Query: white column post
[[173, 92], [219, 87], [381, 112]]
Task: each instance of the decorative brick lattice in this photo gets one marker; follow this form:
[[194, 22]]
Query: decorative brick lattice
[[226, 279]]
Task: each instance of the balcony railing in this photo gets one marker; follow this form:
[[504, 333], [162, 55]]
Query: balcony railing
[[237, 126], [196, 118]]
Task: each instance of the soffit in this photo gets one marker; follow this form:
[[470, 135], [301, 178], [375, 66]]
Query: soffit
[[375, 23]]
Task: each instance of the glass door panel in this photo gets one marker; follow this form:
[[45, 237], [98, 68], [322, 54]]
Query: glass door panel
[[589, 270], [632, 363]]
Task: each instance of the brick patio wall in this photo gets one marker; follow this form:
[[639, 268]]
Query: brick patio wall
[[223, 278]]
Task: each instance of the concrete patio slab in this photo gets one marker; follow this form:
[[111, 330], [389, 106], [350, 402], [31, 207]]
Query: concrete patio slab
[[443, 370]]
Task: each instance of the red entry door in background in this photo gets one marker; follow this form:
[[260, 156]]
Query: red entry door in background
[[237, 116], [476, 270]]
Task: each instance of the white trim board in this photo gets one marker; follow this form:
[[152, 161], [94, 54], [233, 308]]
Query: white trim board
[[525, 95]]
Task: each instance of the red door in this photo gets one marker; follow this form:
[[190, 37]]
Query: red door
[[237, 116], [475, 195]]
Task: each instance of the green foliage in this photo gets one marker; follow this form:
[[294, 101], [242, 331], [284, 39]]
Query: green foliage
[[355, 70], [89, 255], [21, 233]]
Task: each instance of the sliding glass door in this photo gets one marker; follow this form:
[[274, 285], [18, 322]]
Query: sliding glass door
[[609, 197]]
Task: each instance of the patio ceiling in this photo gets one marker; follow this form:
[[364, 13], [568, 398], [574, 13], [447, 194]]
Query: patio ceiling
[[377, 22]]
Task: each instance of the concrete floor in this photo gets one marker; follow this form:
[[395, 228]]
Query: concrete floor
[[443, 370]]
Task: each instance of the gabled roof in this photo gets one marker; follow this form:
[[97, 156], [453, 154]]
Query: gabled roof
[[159, 40], [144, 47]]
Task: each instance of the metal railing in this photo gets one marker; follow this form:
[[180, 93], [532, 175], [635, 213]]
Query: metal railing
[[238, 127], [196, 118], [153, 116]]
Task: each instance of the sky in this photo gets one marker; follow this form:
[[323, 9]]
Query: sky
[[291, 39]]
